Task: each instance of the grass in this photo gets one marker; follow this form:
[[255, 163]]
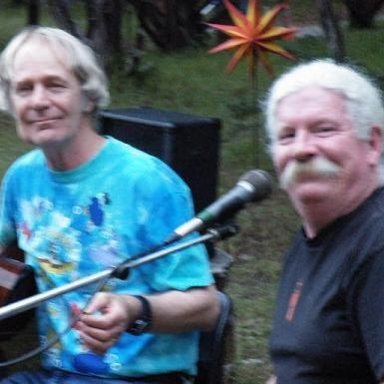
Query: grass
[[195, 82]]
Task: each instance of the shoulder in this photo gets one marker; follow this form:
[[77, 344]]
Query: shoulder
[[362, 241], [369, 222], [143, 169], [26, 164]]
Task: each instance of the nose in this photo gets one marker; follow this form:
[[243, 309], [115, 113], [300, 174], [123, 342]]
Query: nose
[[303, 146], [39, 97]]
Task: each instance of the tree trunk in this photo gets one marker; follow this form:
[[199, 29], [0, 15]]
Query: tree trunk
[[171, 29], [362, 13], [171, 24], [33, 12], [332, 31], [153, 21], [61, 12], [112, 18], [104, 26]]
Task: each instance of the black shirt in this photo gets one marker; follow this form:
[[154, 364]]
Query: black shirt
[[329, 320]]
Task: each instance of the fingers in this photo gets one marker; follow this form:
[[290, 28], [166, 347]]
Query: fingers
[[99, 302], [99, 341], [99, 335], [106, 312], [103, 322]]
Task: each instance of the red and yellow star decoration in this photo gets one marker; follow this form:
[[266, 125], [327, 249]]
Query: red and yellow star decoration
[[253, 36]]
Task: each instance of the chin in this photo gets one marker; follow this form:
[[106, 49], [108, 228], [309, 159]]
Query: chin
[[310, 193], [48, 137]]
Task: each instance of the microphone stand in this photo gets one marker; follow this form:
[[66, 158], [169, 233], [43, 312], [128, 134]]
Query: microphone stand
[[121, 271]]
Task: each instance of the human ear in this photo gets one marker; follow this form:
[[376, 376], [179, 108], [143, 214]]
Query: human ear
[[375, 142], [88, 106]]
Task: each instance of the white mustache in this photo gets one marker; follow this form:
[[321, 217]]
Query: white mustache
[[315, 167]]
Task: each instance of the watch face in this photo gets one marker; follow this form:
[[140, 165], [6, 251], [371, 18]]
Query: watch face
[[139, 326]]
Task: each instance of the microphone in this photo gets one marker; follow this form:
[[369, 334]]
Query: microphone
[[255, 185]]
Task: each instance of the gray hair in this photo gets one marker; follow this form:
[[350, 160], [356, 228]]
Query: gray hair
[[80, 58], [363, 97]]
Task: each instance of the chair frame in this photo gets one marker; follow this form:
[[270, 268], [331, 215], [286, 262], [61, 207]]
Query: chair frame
[[216, 346]]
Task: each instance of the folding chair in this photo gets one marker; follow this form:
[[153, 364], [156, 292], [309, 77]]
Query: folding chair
[[216, 347]]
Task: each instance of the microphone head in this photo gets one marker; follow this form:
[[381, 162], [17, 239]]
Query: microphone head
[[258, 183]]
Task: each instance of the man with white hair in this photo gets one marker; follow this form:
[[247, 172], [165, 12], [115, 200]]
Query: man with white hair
[[325, 123], [80, 203]]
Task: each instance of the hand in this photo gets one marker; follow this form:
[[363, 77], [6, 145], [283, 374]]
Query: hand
[[105, 319]]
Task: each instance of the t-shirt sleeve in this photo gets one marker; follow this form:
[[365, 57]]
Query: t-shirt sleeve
[[7, 208], [171, 206]]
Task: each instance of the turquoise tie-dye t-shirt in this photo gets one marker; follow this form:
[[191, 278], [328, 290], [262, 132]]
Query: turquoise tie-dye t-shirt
[[75, 223]]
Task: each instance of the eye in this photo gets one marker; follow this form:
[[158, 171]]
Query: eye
[[56, 86], [325, 130], [23, 89], [286, 136]]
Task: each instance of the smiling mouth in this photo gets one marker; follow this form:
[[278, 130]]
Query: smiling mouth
[[45, 121], [45, 124]]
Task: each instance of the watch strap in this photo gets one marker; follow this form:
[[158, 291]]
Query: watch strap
[[144, 320]]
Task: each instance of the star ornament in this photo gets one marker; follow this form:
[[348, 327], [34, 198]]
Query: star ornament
[[253, 36]]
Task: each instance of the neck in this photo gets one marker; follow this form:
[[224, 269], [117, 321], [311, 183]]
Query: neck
[[315, 220], [75, 152], [317, 216]]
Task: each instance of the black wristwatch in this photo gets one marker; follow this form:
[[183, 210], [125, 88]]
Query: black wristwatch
[[144, 320]]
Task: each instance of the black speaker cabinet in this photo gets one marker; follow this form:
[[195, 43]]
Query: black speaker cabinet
[[188, 144]]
